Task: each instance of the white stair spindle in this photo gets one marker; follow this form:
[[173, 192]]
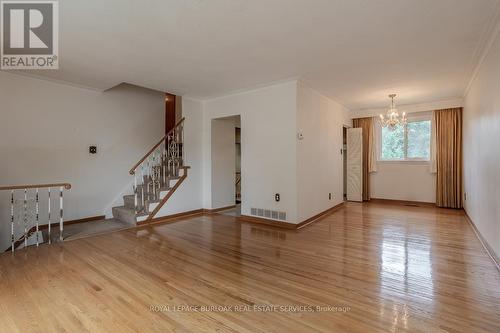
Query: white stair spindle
[[163, 163], [153, 174], [148, 167], [61, 218], [12, 219], [146, 181], [168, 156], [50, 241], [37, 212], [135, 191], [142, 187], [25, 207]]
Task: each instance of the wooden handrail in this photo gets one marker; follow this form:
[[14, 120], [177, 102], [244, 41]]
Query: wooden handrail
[[22, 187], [132, 171]]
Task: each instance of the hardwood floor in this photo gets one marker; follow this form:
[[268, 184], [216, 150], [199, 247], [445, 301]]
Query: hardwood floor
[[386, 268]]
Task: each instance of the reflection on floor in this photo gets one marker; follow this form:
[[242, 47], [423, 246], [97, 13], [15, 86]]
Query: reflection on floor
[[365, 268], [236, 211], [79, 230]]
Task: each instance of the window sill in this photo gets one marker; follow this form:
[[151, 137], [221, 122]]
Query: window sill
[[415, 162]]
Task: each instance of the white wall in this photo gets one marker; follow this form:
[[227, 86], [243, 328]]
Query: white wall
[[268, 146], [481, 150], [46, 129], [410, 181], [319, 161], [223, 162], [273, 159]]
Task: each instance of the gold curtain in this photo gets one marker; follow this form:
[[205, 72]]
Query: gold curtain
[[448, 124], [366, 125]]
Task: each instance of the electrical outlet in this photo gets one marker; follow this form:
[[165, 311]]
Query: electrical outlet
[[93, 149], [277, 197], [329, 196]]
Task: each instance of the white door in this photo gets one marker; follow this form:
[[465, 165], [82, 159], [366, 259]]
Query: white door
[[355, 164]]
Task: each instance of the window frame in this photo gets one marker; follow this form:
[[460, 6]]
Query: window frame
[[406, 159]]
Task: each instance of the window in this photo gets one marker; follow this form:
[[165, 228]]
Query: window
[[407, 143]]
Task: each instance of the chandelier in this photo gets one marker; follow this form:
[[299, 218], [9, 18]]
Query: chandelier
[[392, 119]]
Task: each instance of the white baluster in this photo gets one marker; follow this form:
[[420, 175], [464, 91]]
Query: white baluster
[[12, 219], [164, 163], [148, 176], [25, 206], [174, 139], [155, 158], [37, 212], [176, 168], [169, 156], [152, 174], [61, 219], [50, 240], [148, 167], [135, 191], [142, 187]]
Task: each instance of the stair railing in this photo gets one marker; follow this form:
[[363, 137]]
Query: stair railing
[[31, 194], [155, 169]]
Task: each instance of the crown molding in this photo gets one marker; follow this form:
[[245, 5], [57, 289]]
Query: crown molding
[[243, 90], [411, 108], [484, 45], [51, 80]]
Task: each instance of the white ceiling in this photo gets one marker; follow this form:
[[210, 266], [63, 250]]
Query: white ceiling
[[355, 51]]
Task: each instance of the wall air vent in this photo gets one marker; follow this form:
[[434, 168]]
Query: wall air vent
[[267, 213]]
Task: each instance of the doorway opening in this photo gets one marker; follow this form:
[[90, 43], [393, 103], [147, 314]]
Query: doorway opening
[[173, 111], [227, 183]]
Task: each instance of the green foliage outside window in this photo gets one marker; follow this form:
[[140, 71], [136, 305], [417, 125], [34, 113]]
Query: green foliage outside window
[[419, 139], [393, 143], [407, 142]]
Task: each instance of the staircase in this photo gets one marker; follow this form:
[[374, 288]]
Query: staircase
[[37, 210], [156, 177]]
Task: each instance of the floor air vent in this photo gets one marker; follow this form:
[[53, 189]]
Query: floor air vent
[[267, 213]]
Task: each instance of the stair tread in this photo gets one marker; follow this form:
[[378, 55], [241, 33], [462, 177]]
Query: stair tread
[[128, 211], [123, 208]]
